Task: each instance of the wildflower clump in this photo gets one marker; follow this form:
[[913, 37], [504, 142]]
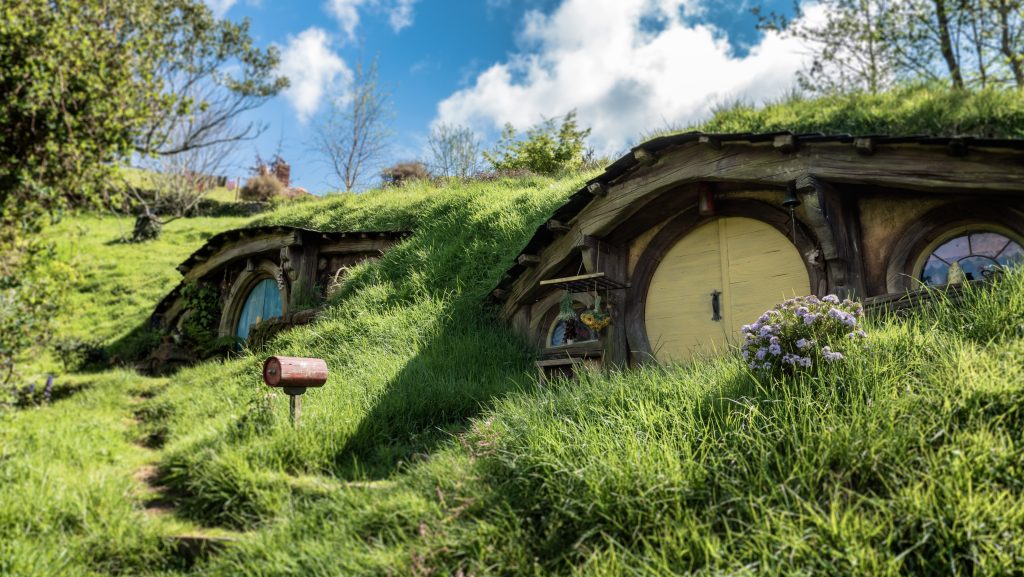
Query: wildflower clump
[[803, 333]]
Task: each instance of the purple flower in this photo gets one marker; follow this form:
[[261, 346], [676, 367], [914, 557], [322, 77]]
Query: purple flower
[[774, 340], [802, 344], [759, 355], [810, 318], [48, 389], [831, 356], [802, 311], [746, 355], [775, 349], [830, 299], [767, 330]]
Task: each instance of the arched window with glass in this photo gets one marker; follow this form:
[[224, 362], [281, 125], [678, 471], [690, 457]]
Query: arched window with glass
[[970, 256]]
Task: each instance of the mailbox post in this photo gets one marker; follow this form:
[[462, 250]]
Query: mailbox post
[[294, 375]]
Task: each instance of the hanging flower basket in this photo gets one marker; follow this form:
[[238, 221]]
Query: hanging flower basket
[[596, 319]]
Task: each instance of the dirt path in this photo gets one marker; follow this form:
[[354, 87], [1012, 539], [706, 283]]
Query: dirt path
[[191, 542]]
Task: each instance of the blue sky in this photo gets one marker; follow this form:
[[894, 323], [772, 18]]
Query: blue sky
[[627, 66]]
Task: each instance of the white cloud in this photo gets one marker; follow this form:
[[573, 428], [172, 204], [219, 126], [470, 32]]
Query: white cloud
[[220, 7], [313, 69], [400, 15], [347, 13], [596, 56]]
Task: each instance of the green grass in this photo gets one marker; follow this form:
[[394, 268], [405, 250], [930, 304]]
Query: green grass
[[912, 110], [65, 481], [118, 284], [431, 450]]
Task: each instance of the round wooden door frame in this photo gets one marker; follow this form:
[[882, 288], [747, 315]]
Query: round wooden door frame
[[681, 225], [239, 292], [955, 218]]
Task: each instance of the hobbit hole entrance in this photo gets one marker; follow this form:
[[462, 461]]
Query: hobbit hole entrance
[[721, 275], [263, 302]]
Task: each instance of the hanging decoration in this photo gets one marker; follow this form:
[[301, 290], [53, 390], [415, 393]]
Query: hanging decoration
[[567, 314], [595, 318]]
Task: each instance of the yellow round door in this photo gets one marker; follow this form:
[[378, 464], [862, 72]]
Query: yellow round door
[[721, 276]]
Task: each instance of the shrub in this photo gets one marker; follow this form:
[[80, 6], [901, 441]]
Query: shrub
[[76, 353], [404, 172], [547, 149], [803, 333], [199, 324], [261, 188]]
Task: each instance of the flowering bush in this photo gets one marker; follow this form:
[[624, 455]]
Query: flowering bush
[[803, 333]]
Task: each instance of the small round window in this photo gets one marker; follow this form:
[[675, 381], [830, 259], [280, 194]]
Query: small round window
[[561, 334], [970, 257]]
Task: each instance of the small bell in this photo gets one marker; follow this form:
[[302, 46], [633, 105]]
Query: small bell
[[791, 202]]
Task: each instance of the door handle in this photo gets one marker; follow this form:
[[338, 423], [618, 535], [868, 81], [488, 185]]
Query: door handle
[[716, 305]]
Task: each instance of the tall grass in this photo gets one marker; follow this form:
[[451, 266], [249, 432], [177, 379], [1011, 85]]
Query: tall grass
[[908, 110], [431, 451]]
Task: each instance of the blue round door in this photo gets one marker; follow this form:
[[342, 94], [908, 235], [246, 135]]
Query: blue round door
[[263, 302]]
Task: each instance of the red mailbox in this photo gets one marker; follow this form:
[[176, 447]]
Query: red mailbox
[[294, 372], [294, 375]]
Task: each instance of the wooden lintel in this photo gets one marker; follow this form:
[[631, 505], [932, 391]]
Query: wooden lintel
[[558, 227], [644, 157], [528, 260], [785, 143], [864, 146], [597, 189], [905, 168]]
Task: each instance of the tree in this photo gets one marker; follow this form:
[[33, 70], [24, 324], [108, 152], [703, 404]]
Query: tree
[[871, 44], [850, 50], [354, 136], [547, 149], [454, 151], [86, 85], [175, 184]]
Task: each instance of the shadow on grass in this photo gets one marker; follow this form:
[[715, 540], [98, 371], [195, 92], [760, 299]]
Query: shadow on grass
[[469, 364]]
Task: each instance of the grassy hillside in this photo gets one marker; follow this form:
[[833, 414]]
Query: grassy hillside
[[119, 283], [432, 451]]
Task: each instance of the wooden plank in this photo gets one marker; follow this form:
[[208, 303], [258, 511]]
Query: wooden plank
[[352, 245], [241, 248], [528, 260], [557, 226], [556, 256], [569, 279], [785, 143], [644, 157], [907, 167], [846, 270]]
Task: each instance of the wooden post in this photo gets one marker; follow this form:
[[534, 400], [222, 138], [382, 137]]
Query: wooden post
[[613, 260], [846, 268]]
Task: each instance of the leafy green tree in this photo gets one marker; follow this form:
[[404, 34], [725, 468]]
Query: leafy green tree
[[547, 148], [86, 85], [870, 45]]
